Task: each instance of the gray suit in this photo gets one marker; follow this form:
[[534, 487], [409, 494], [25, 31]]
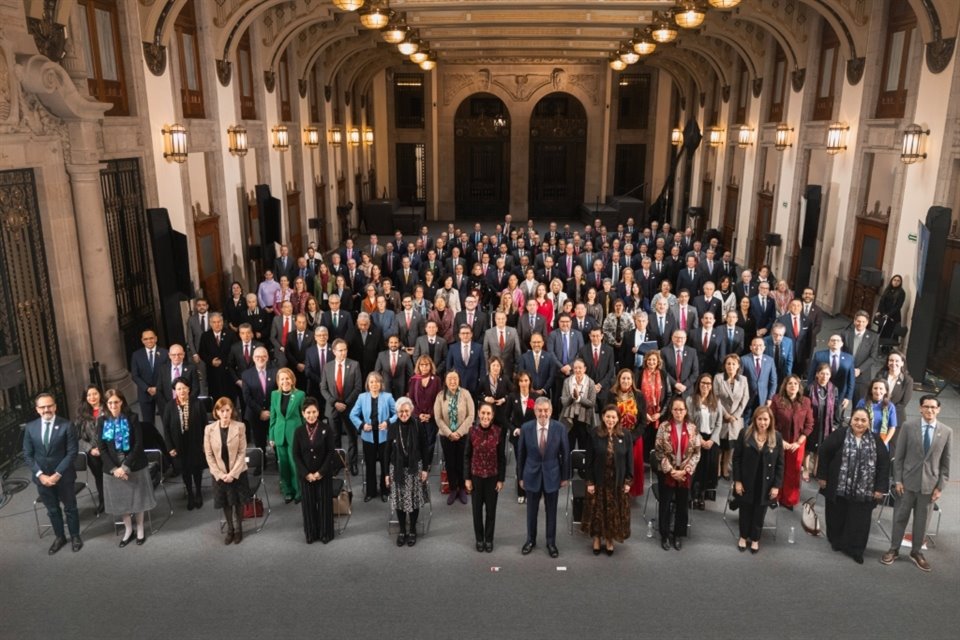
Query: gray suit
[[920, 474], [510, 354], [422, 348]]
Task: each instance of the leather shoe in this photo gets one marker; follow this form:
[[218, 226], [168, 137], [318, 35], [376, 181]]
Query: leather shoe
[[140, 541], [889, 557], [100, 508], [229, 538], [452, 498], [58, 544], [198, 502], [552, 550], [189, 504], [609, 551], [463, 496], [76, 543], [480, 546], [383, 497], [920, 561], [353, 469], [368, 498], [488, 547], [401, 540], [858, 558], [411, 539], [288, 499], [676, 542], [527, 548], [665, 544], [126, 541]]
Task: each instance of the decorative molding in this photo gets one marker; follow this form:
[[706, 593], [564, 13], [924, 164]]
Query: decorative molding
[[155, 55], [855, 67], [513, 60], [480, 127], [725, 92], [939, 53], [224, 71], [558, 127], [521, 87], [757, 87], [49, 36], [589, 82], [9, 87], [798, 77], [56, 90], [453, 83], [302, 87], [269, 81]]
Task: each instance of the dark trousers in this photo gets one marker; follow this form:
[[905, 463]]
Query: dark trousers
[[341, 422], [408, 522], [51, 497], [453, 459], [372, 454], [705, 476], [191, 480], [258, 432], [579, 435], [533, 511], [751, 520], [484, 497], [848, 525], [431, 428], [95, 464], [679, 497]]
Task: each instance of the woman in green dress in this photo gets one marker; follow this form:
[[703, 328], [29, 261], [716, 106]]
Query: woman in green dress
[[286, 403]]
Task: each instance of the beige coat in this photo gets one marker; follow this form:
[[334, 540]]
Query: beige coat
[[465, 411], [236, 444], [733, 400]]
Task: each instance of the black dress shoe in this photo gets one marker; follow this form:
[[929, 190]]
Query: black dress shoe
[[401, 539], [198, 502], [369, 497], [76, 543], [325, 540], [287, 499], [488, 547], [609, 551], [596, 551], [140, 541], [480, 546], [677, 543], [411, 539], [58, 543], [383, 497], [527, 548], [353, 469], [189, 504], [857, 558], [126, 541], [665, 544], [100, 508], [552, 550], [309, 540]]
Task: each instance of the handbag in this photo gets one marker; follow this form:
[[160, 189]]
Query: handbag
[[253, 508], [444, 482], [809, 518], [342, 494]]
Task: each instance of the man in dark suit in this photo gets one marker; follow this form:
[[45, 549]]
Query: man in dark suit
[[690, 278], [841, 364], [145, 365], [406, 277], [297, 346], [410, 325], [395, 366], [732, 337], [501, 341], [530, 323], [582, 321], [215, 352], [433, 346], [284, 265], [301, 270], [706, 302], [541, 366], [241, 353], [317, 356], [763, 309], [338, 322], [349, 252], [49, 451], [728, 268], [863, 345], [781, 349], [662, 323], [466, 358], [710, 267], [172, 370], [390, 260], [564, 344], [707, 342], [761, 374], [633, 351], [366, 344], [601, 363], [746, 288], [648, 280], [258, 319], [497, 278], [681, 364], [798, 330], [257, 383], [543, 463], [340, 386], [281, 329], [472, 316], [814, 315]]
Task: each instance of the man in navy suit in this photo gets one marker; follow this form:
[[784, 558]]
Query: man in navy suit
[[256, 384], [49, 450], [541, 366], [662, 323], [761, 375], [681, 364], [582, 321], [781, 349], [601, 361], [466, 358], [732, 337], [316, 359], [338, 322], [690, 278], [841, 364], [145, 367], [176, 368], [763, 309], [543, 460], [798, 330]]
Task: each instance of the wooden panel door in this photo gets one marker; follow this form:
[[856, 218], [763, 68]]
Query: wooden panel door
[[730, 204], [758, 237], [945, 355], [209, 262], [294, 225], [869, 242], [482, 178]]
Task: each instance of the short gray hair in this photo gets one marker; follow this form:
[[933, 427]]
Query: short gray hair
[[404, 401], [541, 401]]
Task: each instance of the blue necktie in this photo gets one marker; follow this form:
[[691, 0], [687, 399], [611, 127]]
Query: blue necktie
[[927, 429], [566, 348]]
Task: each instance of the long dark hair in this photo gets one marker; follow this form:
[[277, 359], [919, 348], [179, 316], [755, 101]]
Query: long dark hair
[[85, 412], [602, 428]]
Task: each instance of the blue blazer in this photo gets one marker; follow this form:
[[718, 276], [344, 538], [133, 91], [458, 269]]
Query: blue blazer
[[387, 321], [764, 387], [785, 366], [360, 414], [545, 376], [763, 319], [58, 456], [470, 372], [843, 379], [543, 473]]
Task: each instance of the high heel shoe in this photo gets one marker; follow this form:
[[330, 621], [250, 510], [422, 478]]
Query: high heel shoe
[[609, 551], [755, 550], [126, 540], [596, 548], [741, 547]]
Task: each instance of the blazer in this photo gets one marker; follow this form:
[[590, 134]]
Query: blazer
[[188, 371], [544, 375], [471, 370], [605, 372], [763, 317], [664, 451], [785, 366], [141, 373], [669, 326], [504, 388], [689, 362], [313, 370], [360, 414], [188, 444], [865, 357], [555, 346], [480, 322], [793, 421], [365, 352], [842, 379], [236, 448], [475, 434], [135, 459], [918, 471], [282, 425], [218, 378], [352, 385], [510, 354], [733, 399], [58, 456], [255, 400], [708, 360], [236, 363], [900, 394], [466, 412], [830, 458], [801, 342], [597, 459], [525, 331], [387, 322], [344, 328], [712, 428], [408, 335], [763, 386], [583, 409], [395, 383], [318, 456], [543, 472], [747, 456]]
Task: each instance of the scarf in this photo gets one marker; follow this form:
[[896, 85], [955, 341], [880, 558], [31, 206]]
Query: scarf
[[409, 445], [453, 402], [858, 467], [650, 385], [184, 410], [628, 410], [118, 430], [884, 415]]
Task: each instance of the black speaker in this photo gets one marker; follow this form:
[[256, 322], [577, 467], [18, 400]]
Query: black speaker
[[172, 269], [269, 210], [774, 240], [11, 372], [313, 223], [924, 329], [870, 277], [808, 237]]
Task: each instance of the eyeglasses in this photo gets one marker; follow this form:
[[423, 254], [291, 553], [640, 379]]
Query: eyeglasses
[[46, 406], [929, 406]]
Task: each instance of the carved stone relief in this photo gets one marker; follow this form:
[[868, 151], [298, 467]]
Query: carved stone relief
[[49, 36], [155, 55], [855, 67], [224, 71], [269, 81], [939, 53], [798, 77], [589, 83]]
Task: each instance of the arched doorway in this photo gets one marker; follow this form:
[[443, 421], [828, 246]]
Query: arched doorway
[[558, 156], [482, 157]]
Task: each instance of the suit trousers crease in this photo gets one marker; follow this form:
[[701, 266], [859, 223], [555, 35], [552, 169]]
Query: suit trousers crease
[[62, 492], [484, 500], [453, 452], [920, 505], [533, 509]]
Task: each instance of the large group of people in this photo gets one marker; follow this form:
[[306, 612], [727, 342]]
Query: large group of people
[[636, 346]]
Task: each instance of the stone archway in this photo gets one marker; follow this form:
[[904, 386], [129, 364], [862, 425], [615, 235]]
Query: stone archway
[[558, 154], [482, 157]]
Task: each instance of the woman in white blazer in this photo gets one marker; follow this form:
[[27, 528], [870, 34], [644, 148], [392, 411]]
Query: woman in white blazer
[[733, 393]]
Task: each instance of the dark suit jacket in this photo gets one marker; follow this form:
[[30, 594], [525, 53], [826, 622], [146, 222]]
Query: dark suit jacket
[[254, 399], [801, 342], [543, 472], [747, 457], [691, 284], [343, 330], [525, 332], [470, 371], [690, 363], [764, 386], [669, 324], [543, 377], [604, 373], [313, 369], [280, 270], [736, 346], [188, 444], [831, 457], [708, 360], [555, 346], [365, 353], [259, 322], [188, 371], [408, 335], [589, 322], [58, 456], [318, 456], [297, 354], [136, 459], [864, 359], [352, 386], [479, 326], [219, 380], [622, 460], [143, 376], [394, 383], [713, 305], [842, 379], [237, 362], [763, 318]]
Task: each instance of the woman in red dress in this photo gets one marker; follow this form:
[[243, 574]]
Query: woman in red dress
[[793, 417], [544, 306], [633, 413], [654, 389]]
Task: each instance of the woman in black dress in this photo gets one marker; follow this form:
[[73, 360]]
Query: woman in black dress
[[746, 322], [409, 469], [315, 456], [183, 425], [235, 307], [890, 307], [88, 435], [757, 475], [826, 404], [609, 472], [519, 411], [494, 389]]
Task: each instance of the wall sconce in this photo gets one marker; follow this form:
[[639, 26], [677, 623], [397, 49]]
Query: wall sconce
[[420, 55], [335, 136], [429, 64], [644, 47], [348, 5], [409, 46], [836, 135], [353, 137], [912, 150], [676, 137], [664, 33], [237, 140], [689, 16], [311, 137], [175, 143], [782, 137], [627, 54], [616, 63], [715, 136], [744, 137], [368, 137], [281, 138]]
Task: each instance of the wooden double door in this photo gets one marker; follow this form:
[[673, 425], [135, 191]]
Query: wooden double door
[[869, 242]]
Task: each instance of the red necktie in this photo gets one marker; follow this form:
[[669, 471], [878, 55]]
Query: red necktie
[[286, 329], [756, 366], [679, 363], [246, 353], [502, 341], [683, 318], [340, 381], [596, 357], [706, 341], [393, 363], [796, 327]]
